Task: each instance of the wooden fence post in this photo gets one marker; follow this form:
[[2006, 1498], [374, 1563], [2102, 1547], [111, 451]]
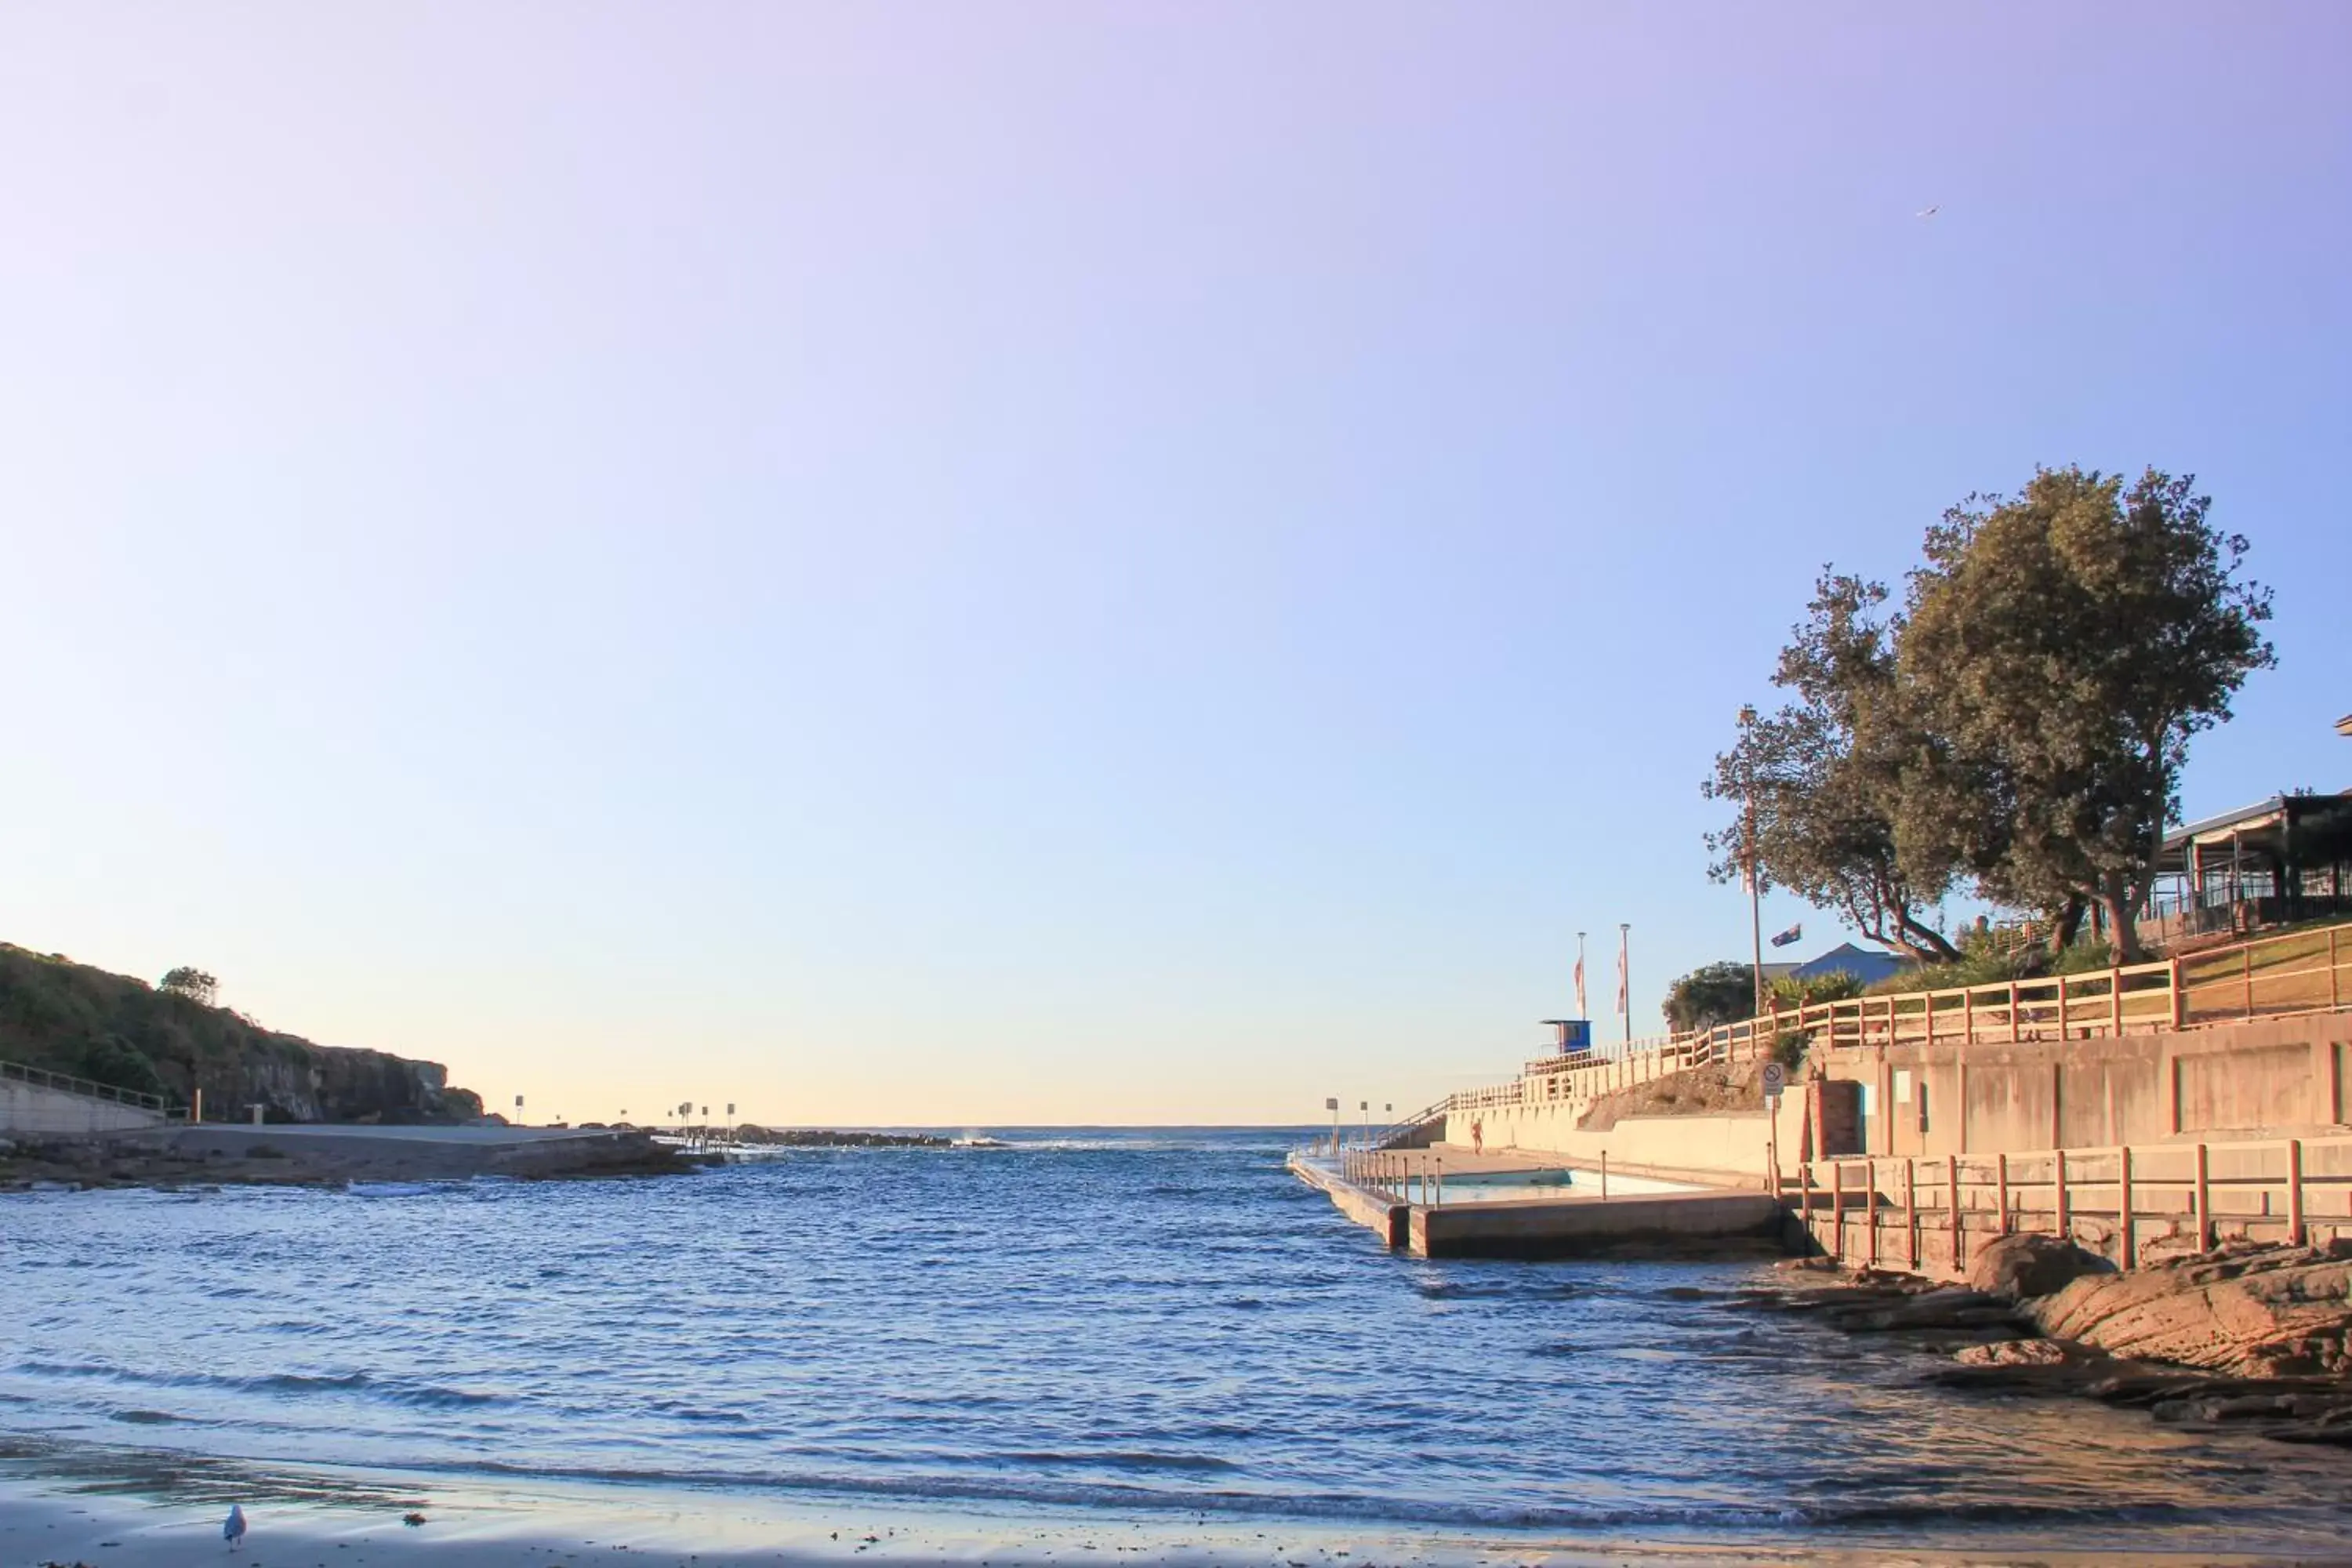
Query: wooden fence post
[[1911, 1210], [2012, 1012], [2294, 1228], [2123, 1203], [2335, 978], [2179, 996], [2204, 1202], [2246, 956], [1870, 1206], [1837, 1208], [1952, 1196], [2115, 1000], [2000, 1189], [2066, 1221]]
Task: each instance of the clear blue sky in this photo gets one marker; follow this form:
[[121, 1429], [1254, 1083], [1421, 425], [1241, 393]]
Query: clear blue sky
[[994, 562]]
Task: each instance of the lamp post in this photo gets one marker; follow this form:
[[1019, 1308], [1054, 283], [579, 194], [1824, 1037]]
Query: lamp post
[[1748, 856]]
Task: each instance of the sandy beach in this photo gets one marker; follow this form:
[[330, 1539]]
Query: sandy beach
[[304, 1524]]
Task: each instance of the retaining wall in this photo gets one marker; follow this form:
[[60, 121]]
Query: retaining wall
[[26, 1107], [2278, 1075], [1704, 1147]]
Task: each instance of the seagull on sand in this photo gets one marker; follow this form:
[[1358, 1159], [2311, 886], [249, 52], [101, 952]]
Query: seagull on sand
[[232, 1527]]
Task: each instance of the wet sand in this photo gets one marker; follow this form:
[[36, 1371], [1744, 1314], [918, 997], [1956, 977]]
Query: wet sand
[[119, 1524]]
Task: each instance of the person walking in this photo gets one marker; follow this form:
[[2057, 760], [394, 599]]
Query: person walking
[[1478, 1135]]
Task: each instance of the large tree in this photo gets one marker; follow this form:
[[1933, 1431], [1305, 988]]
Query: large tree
[[1823, 777], [1713, 993], [2057, 652]]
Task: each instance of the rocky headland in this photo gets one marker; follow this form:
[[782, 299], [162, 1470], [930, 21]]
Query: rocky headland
[[2251, 1336], [118, 1030]]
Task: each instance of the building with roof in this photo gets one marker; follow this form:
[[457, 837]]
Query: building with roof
[[1864, 965], [2285, 858]]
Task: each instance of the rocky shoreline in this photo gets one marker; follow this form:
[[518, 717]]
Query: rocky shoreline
[[2248, 1337], [264, 1156]]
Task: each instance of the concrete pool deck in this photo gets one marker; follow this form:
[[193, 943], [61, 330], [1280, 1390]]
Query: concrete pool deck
[[1673, 1219]]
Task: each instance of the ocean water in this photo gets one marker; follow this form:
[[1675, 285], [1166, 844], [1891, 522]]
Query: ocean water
[[1146, 1326]]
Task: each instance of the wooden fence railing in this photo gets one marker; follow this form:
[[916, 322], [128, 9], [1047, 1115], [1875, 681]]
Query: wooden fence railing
[[1933, 1215], [2308, 971]]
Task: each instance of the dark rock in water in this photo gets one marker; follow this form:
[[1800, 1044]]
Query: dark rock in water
[[819, 1138], [2021, 1266], [1930, 1309], [2022, 1353]]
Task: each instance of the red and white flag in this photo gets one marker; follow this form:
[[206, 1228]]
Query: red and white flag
[[1624, 1004], [1580, 986]]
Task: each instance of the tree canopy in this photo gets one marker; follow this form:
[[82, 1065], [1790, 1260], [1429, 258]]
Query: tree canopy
[[2061, 649], [194, 983], [1710, 995], [1824, 778], [2020, 724]]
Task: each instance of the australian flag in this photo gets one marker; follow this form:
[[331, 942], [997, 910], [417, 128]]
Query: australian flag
[[1794, 933]]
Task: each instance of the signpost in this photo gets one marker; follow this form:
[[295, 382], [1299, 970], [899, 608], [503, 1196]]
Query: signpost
[[1331, 1104], [1776, 1080]]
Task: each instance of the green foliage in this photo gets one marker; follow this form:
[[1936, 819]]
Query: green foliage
[[1789, 1048], [113, 1060], [1815, 788], [2063, 647], [1711, 995], [68, 1017], [1791, 992], [1984, 962], [197, 986], [2021, 725]]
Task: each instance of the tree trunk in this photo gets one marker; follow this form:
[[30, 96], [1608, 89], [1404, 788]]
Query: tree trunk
[[1927, 943], [2123, 929], [2068, 925]]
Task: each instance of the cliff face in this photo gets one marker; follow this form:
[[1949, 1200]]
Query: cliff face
[[68, 1017]]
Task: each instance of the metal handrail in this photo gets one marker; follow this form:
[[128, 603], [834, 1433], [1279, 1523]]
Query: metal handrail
[[41, 1078]]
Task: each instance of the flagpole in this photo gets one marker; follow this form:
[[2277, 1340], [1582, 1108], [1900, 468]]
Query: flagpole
[[1755, 886], [1625, 979], [1581, 1010]]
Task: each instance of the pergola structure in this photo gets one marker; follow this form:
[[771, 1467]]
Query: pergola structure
[[2284, 858]]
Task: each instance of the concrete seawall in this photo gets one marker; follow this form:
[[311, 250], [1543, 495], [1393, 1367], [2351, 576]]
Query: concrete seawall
[[33, 1109], [1696, 1224]]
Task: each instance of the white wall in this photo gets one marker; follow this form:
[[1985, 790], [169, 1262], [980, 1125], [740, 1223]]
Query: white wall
[[1733, 1145], [28, 1108]]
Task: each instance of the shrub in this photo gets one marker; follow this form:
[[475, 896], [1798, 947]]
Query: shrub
[[1789, 1050], [1837, 986]]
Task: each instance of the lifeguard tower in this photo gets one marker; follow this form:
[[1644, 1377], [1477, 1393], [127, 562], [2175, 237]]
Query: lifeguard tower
[[1573, 1036]]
